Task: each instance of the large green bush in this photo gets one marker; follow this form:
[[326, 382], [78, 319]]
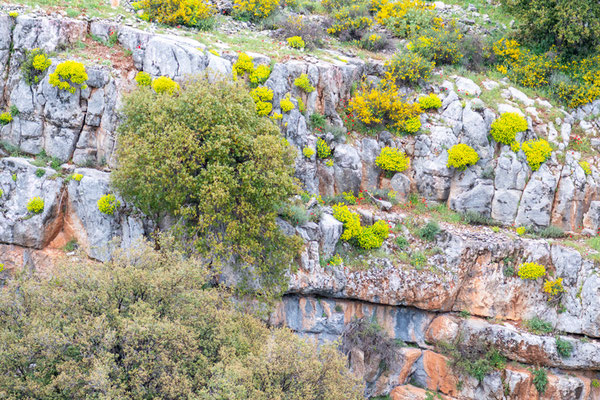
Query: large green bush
[[148, 325], [205, 155], [572, 25]]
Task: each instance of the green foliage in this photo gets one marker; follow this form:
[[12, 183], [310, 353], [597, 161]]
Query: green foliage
[[531, 270], [294, 214], [108, 203], [150, 324], [504, 129], [430, 102], [595, 383], [540, 379], [476, 360], [429, 231], [393, 160], [194, 13], [418, 259], [475, 218], [296, 42], [323, 149], [461, 155], [551, 232], [69, 75], [143, 78], [34, 66], [402, 243], [35, 205], [538, 326], [317, 121], [40, 172], [303, 83], [369, 337], [409, 68], [71, 245], [564, 347], [227, 170], [571, 25], [164, 84], [537, 152]]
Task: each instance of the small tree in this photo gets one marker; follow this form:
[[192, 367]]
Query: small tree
[[203, 154], [572, 25]]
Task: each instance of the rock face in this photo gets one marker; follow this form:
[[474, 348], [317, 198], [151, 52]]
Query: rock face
[[465, 295]]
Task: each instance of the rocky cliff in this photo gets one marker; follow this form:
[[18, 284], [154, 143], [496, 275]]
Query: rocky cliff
[[462, 295]]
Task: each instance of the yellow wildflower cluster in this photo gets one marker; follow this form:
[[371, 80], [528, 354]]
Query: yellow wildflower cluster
[[586, 167], [303, 82], [383, 105], [41, 62], [439, 44], [366, 237], [531, 271], [286, 104], [393, 14], [262, 96], [504, 129], [176, 12], [254, 9], [5, 118], [537, 152], [308, 152], [554, 288], [243, 65], [521, 230], [350, 20], [430, 102], [35, 205], [393, 160], [323, 149], [108, 203], [164, 84], [409, 68], [461, 155], [69, 76], [143, 79], [296, 42]]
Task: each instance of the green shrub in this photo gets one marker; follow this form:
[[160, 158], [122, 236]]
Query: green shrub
[[143, 78], [294, 214], [317, 121], [552, 232], [537, 152], [440, 45], [504, 129], [393, 160], [430, 102], [531, 270], [409, 68], [153, 313], [475, 218], [540, 379], [538, 326], [164, 84], [35, 65], [429, 231], [227, 170], [366, 335], [350, 22], [461, 155], [564, 347], [375, 41], [40, 172], [303, 82], [35, 205], [69, 76], [195, 13], [418, 259], [323, 149], [108, 203], [401, 242]]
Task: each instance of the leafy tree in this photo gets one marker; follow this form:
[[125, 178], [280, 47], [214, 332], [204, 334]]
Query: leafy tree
[[147, 325], [205, 155], [572, 25]]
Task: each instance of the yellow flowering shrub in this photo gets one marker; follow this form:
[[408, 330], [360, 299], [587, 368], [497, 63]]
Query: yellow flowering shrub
[[383, 105], [440, 46], [509, 50], [35, 64], [286, 104], [409, 67], [108, 203], [308, 152], [196, 13], [13, 14], [537, 152], [350, 22], [531, 271], [77, 177], [143, 79], [301, 105], [372, 237], [461, 155], [515, 146], [303, 82], [586, 167], [164, 84], [69, 76], [335, 260], [504, 129], [521, 230], [350, 219], [243, 65], [296, 42], [263, 97], [554, 287], [429, 102], [5, 118], [403, 17], [254, 10], [35, 205], [260, 75], [391, 159], [323, 149]]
